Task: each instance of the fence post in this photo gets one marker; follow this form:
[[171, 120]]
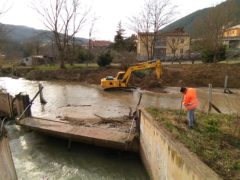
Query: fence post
[[209, 97], [42, 100], [225, 84]]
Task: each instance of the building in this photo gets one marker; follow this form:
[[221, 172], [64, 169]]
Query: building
[[231, 37], [97, 44], [144, 47], [36, 60], [167, 45]]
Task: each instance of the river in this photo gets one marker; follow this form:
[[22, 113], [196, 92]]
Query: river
[[41, 157]]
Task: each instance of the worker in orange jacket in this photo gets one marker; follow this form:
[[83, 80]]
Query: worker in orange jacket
[[190, 102]]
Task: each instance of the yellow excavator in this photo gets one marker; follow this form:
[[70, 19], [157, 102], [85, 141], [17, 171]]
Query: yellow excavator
[[122, 78]]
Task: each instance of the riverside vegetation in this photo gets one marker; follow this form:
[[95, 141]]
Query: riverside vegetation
[[215, 139], [195, 75]]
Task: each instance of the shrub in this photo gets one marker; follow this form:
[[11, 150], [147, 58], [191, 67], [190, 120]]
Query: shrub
[[221, 53], [208, 55], [84, 55], [104, 59]]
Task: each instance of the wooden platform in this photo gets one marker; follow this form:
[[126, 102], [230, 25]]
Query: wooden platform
[[104, 137]]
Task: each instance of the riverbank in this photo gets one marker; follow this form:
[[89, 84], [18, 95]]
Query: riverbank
[[215, 138], [195, 75], [45, 157], [65, 97]]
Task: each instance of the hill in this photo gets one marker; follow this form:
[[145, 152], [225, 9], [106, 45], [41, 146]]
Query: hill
[[15, 40], [189, 21], [23, 33]]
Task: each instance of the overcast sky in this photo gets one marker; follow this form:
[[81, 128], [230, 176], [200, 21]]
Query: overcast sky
[[109, 13]]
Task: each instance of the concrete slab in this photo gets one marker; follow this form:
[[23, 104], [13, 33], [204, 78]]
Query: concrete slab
[[82, 132]]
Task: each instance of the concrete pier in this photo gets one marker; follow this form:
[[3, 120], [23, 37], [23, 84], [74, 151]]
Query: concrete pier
[[84, 126], [99, 136], [6, 104], [7, 169]]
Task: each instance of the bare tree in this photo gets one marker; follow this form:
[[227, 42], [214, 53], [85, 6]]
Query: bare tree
[[5, 5], [33, 45], [154, 15], [174, 43], [209, 29], [92, 24], [65, 19]]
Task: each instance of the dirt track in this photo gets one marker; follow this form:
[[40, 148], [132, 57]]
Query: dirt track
[[197, 75]]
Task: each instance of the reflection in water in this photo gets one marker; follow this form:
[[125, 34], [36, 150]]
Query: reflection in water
[[41, 157]]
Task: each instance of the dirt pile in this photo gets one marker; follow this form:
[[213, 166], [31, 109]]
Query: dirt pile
[[202, 75], [196, 75], [199, 75]]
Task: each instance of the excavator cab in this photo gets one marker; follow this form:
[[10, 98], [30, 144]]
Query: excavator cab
[[113, 82], [120, 75]]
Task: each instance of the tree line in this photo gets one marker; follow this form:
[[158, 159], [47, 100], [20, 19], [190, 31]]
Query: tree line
[[65, 19]]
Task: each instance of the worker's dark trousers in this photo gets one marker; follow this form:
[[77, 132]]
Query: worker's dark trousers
[[191, 117]]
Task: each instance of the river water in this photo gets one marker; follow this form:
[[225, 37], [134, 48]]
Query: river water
[[42, 157]]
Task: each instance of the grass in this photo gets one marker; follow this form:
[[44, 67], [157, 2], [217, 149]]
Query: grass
[[214, 138], [231, 61], [67, 66], [56, 66], [71, 67]]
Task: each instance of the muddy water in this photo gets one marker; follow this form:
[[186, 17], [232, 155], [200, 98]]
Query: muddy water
[[40, 157]]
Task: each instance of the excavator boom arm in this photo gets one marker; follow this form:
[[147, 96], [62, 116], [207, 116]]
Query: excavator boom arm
[[141, 66]]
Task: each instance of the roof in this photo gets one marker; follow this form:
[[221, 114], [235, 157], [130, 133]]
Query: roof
[[173, 33], [37, 56], [100, 43], [234, 27]]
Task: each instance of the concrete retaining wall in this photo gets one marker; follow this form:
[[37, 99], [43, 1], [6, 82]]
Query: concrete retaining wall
[[165, 158], [6, 104], [7, 169], [12, 106]]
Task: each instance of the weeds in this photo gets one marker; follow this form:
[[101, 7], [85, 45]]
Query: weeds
[[212, 139]]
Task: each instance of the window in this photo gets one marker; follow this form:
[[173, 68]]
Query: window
[[181, 51], [161, 41], [182, 41], [160, 52]]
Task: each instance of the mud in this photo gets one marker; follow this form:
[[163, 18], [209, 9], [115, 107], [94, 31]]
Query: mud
[[121, 124], [196, 75], [117, 117]]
